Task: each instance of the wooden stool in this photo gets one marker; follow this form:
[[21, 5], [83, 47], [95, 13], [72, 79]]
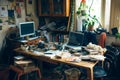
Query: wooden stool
[[20, 72]]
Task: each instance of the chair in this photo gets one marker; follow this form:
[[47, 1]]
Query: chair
[[102, 39], [99, 72], [105, 70]]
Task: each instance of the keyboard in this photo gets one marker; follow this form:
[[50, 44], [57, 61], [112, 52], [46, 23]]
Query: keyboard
[[32, 38], [74, 47], [23, 40]]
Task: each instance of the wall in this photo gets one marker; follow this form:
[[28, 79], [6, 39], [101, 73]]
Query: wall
[[31, 10], [17, 18]]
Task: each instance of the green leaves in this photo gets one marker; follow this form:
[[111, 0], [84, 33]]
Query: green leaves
[[0, 20], [118, 35]]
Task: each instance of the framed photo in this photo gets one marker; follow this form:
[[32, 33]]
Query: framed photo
[[28, 7], [3, 11]]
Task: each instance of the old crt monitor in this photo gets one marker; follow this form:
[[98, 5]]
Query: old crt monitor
[[76, 39], [26, 29]]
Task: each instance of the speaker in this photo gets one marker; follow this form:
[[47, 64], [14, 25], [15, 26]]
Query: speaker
[[114, 31], [38, 33]]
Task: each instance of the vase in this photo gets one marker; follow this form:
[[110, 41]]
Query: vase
[[80, 22]]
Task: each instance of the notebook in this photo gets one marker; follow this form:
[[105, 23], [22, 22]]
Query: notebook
[[75, 40]]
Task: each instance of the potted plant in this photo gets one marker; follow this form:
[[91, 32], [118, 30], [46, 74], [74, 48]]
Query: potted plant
[[118, 35], [117, 40], [90, 22], [84, 12], [0, 20]]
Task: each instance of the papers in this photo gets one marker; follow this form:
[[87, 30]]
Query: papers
[[93, 57], [97, 57], [74, 47], [38, 53], [92, 52], [51, 53], [23, 62]]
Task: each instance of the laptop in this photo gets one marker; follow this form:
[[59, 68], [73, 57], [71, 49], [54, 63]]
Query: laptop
[[75, 39]]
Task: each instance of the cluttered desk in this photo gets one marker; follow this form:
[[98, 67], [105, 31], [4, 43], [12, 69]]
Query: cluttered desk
[[65, 57], [80, 56]]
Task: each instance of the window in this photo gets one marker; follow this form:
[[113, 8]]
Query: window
[[95, 6], [107, 14], [100, 8]]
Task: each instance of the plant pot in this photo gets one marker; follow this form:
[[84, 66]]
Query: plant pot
[[90, 28]]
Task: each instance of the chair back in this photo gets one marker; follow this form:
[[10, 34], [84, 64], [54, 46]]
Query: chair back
[[102, 39]]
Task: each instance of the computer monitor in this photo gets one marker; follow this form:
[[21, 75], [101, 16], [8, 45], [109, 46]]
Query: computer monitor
[[26, 28], [76, 38]]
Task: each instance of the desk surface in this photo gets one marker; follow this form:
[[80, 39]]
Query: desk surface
[[84, 64]]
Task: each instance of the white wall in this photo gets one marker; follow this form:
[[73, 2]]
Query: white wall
[[3, 33], [11, 5]]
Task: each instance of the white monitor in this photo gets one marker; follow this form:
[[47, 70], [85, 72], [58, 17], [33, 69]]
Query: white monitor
[[26, 28]]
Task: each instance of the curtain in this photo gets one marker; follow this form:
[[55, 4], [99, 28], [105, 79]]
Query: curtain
[[115, 15], [72, 16]]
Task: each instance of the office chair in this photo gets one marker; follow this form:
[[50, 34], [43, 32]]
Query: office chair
[[101, 72], [108, 68]]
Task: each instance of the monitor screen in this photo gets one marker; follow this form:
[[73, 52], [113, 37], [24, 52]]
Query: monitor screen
[[76, 38], [26, 29]]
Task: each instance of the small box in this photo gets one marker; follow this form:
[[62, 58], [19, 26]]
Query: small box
[[25, 65]]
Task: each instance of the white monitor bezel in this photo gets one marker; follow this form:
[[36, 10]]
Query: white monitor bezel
[[29, 33]]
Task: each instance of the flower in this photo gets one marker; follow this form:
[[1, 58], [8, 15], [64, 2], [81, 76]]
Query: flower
[[83, 1], [82, 8]]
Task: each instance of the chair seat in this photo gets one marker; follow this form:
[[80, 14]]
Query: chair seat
[[99, 72]]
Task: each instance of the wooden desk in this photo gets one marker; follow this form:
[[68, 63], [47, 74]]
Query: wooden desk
[[84, 64]]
